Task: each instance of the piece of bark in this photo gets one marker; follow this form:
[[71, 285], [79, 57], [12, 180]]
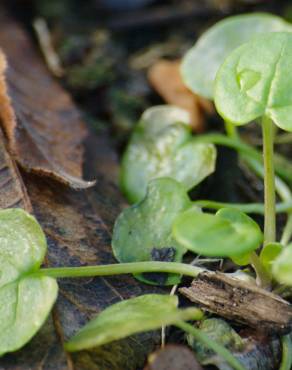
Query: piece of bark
[[166, 79], [43, 126], [174, 357], [242, 302]]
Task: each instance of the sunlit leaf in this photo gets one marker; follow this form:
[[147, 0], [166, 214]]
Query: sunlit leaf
[[131, 316], [255, 80], [282, 266], [268, 255], [228, 233], [25, 300], [143, 231], [162, 146], [202, 61]]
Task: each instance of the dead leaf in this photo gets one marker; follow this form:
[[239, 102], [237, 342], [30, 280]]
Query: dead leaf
[[78, 235], [165, 77], [43, 127], [173, 357]]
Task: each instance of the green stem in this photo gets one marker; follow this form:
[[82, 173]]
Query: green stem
[[231, 130], [282, 166], [284, 193], [269, 181], [286, 363], [121, 268], [257, 208], [211, 344], [287, 232], [262, 275]]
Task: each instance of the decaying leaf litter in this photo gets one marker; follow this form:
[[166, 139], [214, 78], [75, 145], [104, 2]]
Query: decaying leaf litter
[[71, 206]]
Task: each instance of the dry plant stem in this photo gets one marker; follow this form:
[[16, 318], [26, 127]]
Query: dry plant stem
[[163, 329], [268, 151]]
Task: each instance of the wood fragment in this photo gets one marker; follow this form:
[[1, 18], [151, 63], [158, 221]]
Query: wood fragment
[[240, 301]]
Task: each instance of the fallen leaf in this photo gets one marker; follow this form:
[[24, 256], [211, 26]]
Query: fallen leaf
[[165, 78], [173, 357], [43, 127], [77, 235]]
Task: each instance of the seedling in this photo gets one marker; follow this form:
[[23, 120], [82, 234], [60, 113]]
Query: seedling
[[254, 82]]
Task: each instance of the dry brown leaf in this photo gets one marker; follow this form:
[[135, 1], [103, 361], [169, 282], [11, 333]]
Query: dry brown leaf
[[43, 127], [165, 77]]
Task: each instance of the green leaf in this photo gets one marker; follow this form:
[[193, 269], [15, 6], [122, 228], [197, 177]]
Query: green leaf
[[282, 266], [26, 300], [162, 146], [228, 233], [242, 259], [143, 232], [268, 254], [144, 313], [202, 61], [255, 80]]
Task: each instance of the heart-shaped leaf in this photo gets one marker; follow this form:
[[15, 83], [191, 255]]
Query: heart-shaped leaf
[[268, 255], [144, 313], [282, 266], [255, 80], [25, 300], [143, 232], [228, 233], [162, 146], [202, 61]]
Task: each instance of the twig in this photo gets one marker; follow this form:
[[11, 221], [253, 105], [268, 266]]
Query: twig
[[46, 45]]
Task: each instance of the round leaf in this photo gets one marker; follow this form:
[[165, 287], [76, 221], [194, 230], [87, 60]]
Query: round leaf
[[25, 300], [201, 63], [255, 80], [162, 146], [143, 232], [282, 266], [144, 313], [228, 233], [268, 254]]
